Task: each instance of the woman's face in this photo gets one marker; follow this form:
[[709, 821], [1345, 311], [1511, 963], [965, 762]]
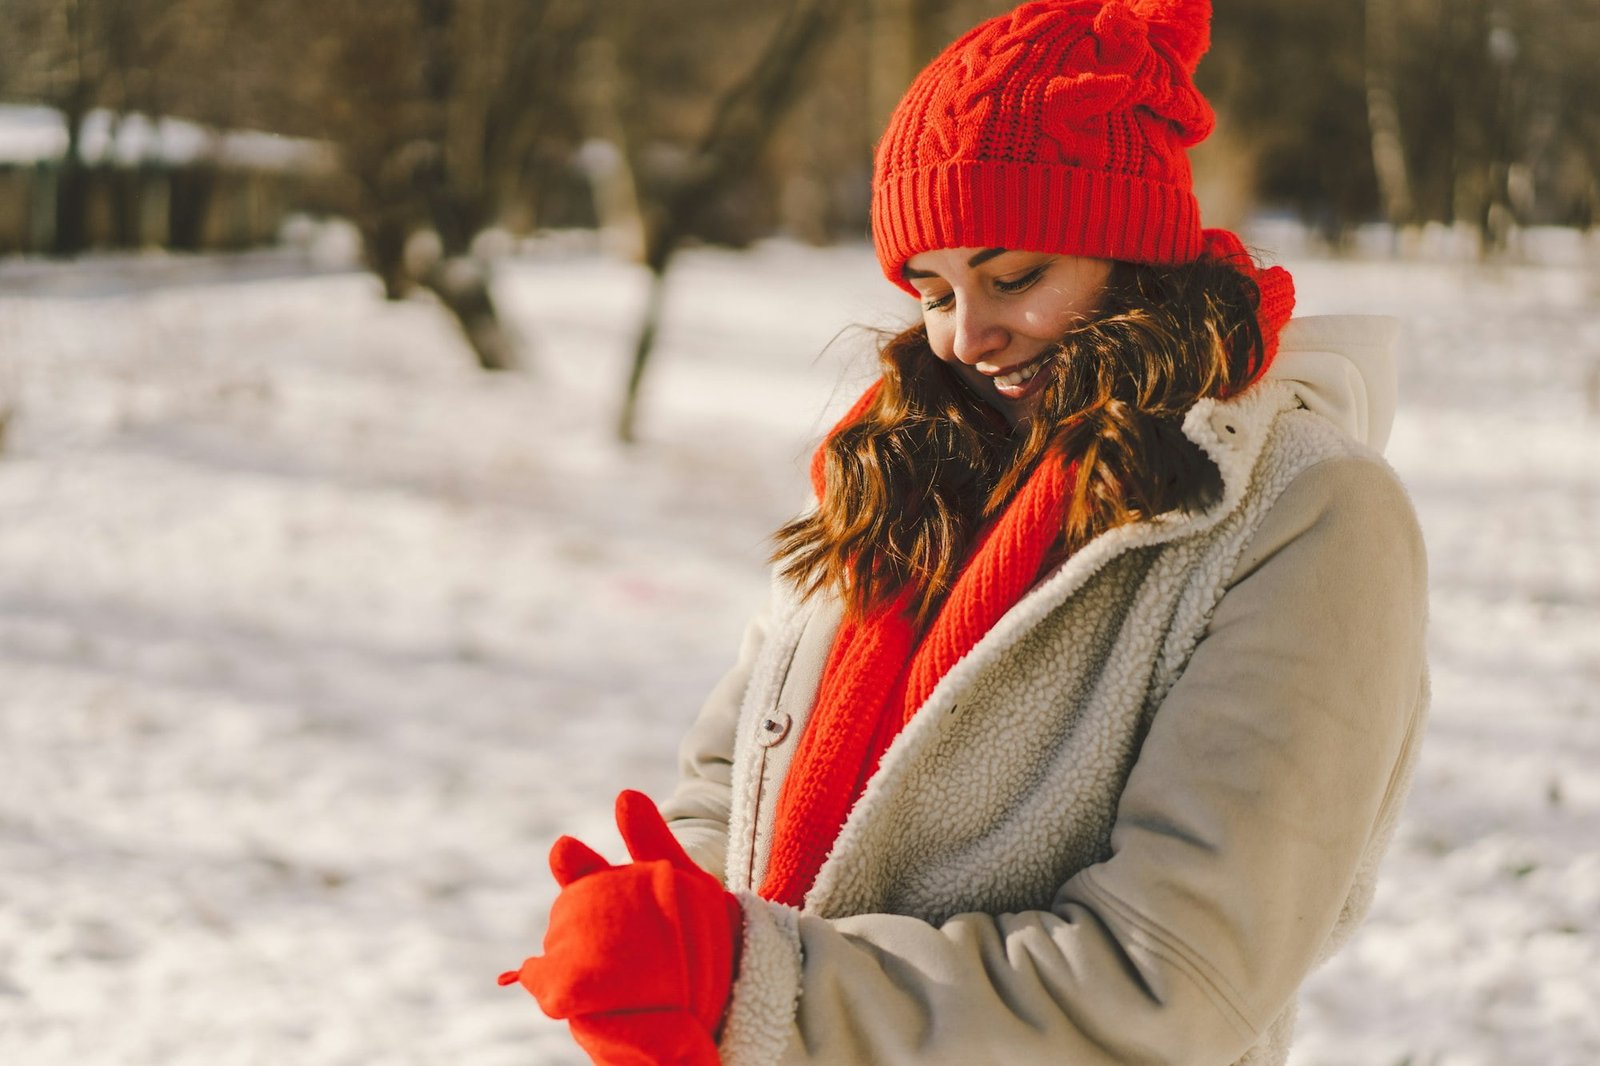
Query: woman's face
[[995, 315]]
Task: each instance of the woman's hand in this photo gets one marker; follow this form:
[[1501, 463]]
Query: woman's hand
[[639, 958]]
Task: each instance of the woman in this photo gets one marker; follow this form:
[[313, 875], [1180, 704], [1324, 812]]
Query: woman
[[1090, 687]]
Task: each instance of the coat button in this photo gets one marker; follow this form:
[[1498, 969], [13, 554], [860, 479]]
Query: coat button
[[774, 729]]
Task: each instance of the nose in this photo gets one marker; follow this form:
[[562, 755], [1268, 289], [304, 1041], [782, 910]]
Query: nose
[[978, 332]]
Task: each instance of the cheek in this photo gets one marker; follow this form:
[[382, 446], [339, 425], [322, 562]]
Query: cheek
[[941, 336], [1051, 322], [1054, 316], [1072, 298]]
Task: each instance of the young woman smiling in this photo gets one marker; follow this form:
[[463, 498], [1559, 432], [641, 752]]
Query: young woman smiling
[[1089, 688], [995, 315]]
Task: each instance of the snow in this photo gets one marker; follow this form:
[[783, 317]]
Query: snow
[[33, 134], [313, 638]]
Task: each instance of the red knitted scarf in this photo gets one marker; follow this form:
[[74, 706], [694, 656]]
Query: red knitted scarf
[[879, 673], [881, 670]]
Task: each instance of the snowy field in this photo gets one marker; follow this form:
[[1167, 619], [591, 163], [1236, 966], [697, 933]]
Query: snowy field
[[313, 638]]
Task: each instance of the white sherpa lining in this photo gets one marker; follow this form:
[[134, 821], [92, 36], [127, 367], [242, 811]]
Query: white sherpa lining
[[768, 985]]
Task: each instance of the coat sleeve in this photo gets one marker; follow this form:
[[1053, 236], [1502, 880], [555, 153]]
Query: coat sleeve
[[1268, 780], [699, 807]]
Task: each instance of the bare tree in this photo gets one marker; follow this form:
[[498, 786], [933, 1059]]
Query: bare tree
[[740, 127], [440, 110]]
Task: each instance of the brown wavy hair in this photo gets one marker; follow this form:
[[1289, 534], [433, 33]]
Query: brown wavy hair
[[909, 484]]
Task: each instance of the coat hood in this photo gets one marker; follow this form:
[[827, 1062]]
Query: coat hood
[[1342, 367]]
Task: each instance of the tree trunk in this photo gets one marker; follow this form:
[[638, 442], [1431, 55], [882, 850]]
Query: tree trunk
[[459, 278], [605, 155], [740, 128], [462, 285], [649, 323], [1505, 74], [72, 181], [383, 243], [1383, 114]]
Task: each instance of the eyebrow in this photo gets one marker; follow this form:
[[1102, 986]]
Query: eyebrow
[[977, 260]]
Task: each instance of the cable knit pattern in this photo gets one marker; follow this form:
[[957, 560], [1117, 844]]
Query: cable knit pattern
[[1059, 127], [1006, 783]]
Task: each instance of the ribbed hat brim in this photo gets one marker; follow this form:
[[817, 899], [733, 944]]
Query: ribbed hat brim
[[984, 204]]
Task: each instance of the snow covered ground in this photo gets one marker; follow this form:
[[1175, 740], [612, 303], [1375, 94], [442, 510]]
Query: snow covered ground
[[313, 638]]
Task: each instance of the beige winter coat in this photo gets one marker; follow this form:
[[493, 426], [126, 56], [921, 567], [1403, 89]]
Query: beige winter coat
[[1128, 823]]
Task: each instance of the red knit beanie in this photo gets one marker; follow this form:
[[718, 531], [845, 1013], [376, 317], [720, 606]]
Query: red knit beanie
[[1060, 127]]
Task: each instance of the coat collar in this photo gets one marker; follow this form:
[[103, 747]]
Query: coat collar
[[1233, 433], [1342, 367]]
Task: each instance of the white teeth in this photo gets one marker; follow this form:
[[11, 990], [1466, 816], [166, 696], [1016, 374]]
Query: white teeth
[[1019, 375]]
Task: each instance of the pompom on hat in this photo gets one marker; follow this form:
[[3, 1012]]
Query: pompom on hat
[[1060, 127]]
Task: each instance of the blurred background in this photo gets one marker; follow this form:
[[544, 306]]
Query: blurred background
[[216, 125], [396, 397]]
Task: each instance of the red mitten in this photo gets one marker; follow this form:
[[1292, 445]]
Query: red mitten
[[645, 1038], [638, 958]]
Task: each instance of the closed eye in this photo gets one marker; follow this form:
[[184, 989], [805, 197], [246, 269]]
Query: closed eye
[[1014, 285], [1008, 286]]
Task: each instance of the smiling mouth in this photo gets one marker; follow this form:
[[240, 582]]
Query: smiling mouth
[[1013, 382], [1021, 374]]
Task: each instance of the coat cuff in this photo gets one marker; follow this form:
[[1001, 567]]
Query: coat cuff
[[761, 1011]]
